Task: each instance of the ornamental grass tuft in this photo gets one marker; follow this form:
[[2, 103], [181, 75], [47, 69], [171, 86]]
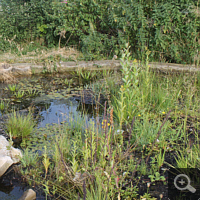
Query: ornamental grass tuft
[[20, 125]]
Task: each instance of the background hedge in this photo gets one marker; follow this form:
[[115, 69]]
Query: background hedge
[[164, 31]]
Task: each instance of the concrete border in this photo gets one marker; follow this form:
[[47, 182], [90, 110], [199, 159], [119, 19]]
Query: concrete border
[[23, 69]]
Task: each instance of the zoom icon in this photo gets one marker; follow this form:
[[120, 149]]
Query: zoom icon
[[182, 182]]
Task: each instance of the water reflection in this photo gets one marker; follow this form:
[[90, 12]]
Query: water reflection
[[62, 110]]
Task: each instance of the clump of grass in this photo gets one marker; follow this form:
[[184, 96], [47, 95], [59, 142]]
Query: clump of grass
[[19, 94], [20, 125], [13, 88]]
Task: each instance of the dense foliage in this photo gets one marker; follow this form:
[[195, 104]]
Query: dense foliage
[[161, 30]]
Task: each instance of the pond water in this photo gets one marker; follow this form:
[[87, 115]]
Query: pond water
[[60, 111], [11, 193], [12, 187], [53, 104], [15, 192]]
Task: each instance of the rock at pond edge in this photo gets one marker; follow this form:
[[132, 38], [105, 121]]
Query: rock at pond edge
[[8, 155], [28, 195], [5, 163]]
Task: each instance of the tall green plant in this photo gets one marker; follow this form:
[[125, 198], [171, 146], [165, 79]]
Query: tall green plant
[[125, 102]]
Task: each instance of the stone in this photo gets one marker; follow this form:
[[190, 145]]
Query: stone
[[8, 155], [15, 154], [5, 163], [28, 195]]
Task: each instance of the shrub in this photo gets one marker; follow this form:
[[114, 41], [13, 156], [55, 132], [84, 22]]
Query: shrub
[[167, 30]]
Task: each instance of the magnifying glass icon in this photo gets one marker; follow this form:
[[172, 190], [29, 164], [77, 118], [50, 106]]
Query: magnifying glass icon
[[183, 182]]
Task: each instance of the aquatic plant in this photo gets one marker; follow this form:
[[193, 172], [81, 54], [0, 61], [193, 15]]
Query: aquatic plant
[[32, 92], [13, 88], [20, 125], [4, 104], [19, 94], [85, 75]]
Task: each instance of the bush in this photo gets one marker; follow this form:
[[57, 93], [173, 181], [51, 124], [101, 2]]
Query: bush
[[166, 30]]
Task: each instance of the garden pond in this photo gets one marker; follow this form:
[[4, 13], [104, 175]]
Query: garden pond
[[55, 99]]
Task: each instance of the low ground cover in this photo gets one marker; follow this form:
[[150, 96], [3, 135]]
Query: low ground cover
[[149, 123]]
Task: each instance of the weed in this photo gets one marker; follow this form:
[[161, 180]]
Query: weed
[[29, 158], [50, 66], [147, 196], [84, 75], [156, 177]]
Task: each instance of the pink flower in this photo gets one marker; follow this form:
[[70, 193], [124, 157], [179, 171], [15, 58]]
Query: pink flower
[[64, 1]]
